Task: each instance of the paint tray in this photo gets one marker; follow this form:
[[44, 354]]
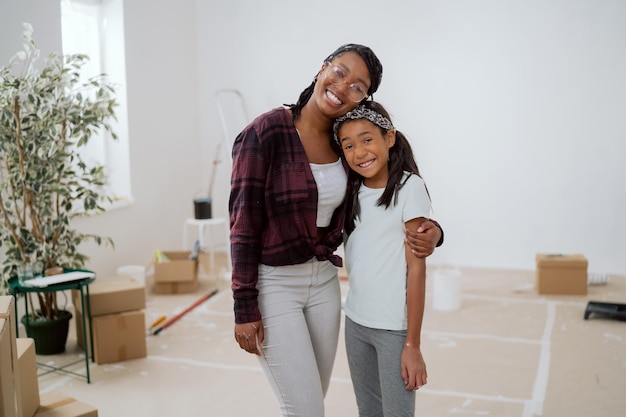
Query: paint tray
[[612, 310]]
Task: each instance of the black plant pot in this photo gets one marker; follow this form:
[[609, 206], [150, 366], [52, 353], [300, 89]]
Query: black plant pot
[[50, 336]]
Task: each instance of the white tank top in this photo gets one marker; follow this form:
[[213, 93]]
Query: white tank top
[[331, 180]]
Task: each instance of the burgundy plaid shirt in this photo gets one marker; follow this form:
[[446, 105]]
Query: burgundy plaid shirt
[[273, 207]]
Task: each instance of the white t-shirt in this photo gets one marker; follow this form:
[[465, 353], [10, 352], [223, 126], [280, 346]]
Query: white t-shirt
[[375, 256], [331, 180]]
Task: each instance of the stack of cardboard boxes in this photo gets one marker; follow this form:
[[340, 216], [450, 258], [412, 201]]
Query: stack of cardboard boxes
[[19, 387], [117, 319]]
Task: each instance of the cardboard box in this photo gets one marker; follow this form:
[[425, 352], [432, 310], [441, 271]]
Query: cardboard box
[[80, 341], [177, 268], [29, 384], [120, 336], [105, 342], [113, 295], [175, 287], [57, 404], [7, 386], [109, 295], [10, 394], [560, 274]]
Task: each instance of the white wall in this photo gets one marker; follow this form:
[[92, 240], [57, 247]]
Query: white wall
[[515, 109]]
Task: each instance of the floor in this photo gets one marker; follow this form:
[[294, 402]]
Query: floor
[[505, 352]]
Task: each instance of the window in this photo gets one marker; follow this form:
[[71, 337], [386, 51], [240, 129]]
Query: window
[[96, 28]]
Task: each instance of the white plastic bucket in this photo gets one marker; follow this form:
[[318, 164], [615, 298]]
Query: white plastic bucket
[[446, 289]]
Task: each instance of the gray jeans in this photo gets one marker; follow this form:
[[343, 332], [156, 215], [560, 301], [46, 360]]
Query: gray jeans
[[300, 306], [374, 360]]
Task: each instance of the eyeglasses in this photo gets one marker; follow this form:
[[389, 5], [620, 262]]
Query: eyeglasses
[[337, 76]]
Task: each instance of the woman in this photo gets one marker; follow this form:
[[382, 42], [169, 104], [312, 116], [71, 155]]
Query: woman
[[286, 213]]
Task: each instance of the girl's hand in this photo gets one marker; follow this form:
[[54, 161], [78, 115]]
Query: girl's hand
[[250, 336], [422, 243], [413, 368]]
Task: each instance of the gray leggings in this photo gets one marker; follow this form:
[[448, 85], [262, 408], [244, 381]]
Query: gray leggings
[[301, 308], [374, 360]]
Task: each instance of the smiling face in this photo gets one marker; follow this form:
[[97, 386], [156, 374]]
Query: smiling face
[[337, 81], [366, 149]]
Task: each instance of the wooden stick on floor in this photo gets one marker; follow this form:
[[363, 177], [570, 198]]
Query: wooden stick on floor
[[177, 317]]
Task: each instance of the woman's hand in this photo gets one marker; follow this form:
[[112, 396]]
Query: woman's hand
[[250, 336], [422, 243]]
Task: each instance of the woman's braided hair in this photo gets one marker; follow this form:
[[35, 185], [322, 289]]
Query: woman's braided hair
[[374, 67]]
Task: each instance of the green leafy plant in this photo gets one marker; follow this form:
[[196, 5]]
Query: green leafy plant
[[46, 115]]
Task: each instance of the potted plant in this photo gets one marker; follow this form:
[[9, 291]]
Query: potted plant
[[46, 115]]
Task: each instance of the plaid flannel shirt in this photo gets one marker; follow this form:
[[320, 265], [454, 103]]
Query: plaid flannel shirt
[[273, 207]]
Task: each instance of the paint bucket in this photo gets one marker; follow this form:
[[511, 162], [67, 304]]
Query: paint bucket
[[202, 207], [446, 289]]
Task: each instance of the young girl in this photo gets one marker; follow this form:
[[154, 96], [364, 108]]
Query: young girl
[[385, 302]]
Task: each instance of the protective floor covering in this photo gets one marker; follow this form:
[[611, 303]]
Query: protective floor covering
[[505, 352]]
